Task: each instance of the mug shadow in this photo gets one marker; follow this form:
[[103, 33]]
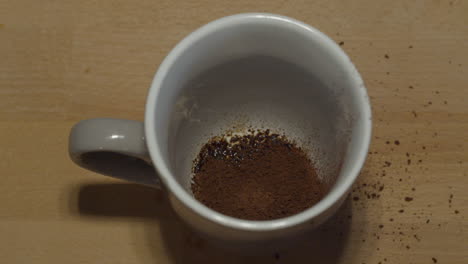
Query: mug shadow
[[183, 245], [117, 200]]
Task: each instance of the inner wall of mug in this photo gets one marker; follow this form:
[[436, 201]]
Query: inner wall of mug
[[259, 92], [258, 75]]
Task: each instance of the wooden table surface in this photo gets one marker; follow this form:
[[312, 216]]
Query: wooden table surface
[[63, 61]]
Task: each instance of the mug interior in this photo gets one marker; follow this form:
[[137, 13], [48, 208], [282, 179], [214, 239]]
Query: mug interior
[[259, 91], [261, 72]]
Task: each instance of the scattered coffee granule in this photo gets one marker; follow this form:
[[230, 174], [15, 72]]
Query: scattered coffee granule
[[456, 211], [434, 260], [397, 142], [386, 56], [401, 211], [341, 43], [408, 199], [277, 256], [258, 176]]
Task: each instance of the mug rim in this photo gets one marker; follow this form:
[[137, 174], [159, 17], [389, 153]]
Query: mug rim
[[182, 195]]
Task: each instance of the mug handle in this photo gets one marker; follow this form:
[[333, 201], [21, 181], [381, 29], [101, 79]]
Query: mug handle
[[113, 147]]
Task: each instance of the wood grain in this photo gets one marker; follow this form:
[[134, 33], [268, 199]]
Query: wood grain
[[63, 61]]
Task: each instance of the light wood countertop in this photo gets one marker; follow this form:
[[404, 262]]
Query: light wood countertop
[[63, 61]]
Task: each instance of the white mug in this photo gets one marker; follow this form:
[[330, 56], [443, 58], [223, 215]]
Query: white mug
[[251, 70]]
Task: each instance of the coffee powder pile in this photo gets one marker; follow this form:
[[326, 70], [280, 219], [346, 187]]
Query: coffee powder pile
[[258, 176]]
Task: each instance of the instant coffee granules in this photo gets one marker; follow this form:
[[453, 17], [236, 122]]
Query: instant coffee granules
[[258, 176]]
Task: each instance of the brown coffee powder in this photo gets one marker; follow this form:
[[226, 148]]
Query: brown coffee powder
[[258, 176]]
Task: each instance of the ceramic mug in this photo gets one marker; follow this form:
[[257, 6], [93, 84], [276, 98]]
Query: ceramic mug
[[250, 70]]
